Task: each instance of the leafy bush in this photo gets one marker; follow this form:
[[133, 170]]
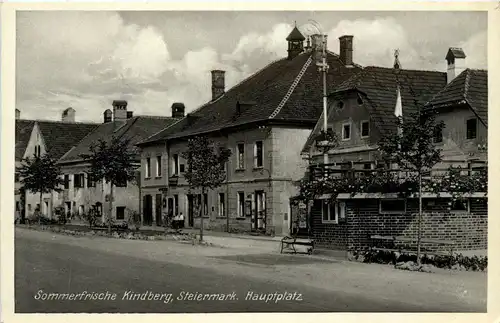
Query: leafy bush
[[134, 219], [473, 263]]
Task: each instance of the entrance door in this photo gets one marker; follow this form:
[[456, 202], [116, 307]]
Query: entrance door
[[260, 210], [190, 210], [158, 209], [170, 206], [148, 209]]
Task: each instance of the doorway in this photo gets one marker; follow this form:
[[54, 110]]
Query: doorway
[[190, 210], [158, 209], [260, 211], [148, 209]]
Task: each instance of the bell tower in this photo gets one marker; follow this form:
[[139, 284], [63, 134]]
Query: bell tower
[[295, 43]]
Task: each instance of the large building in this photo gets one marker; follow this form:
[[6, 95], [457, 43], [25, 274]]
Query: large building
[[39, 137], [80, 194], [361, 110], [264, 120]]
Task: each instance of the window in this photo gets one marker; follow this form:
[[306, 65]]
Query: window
[[460, 205], [176, 204], [90, 181], [66, 181], [175, 165], [37, 151], [79, 181], [365, 129], [240, 157], [222, 205], [471, 128], [392, 206], [367, 166], [120, 213], [346, 131], [331, 211], [241, 204], [205, 204], [181, 168], [438, 135], [16, 177], [148, 167], [158, 166], [258, 154]]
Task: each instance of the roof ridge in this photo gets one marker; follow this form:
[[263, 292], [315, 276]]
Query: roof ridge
[[292, 88], [403, 69], [444, 88], [60, 122], [158, 132], [466, 82]]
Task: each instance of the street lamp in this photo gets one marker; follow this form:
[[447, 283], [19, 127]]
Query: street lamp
[[323, 67]]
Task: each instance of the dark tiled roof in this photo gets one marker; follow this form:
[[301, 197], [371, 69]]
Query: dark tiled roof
[[278, 91], [379, 86], [378, 89], [136, 129], [470, 86], [455, 53], [23, 133], [59, 137], [295, 35]]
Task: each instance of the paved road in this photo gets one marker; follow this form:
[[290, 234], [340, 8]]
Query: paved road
[[44, 267]]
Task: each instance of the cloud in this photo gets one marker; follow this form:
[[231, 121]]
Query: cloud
[[87, 59], [375, 42], [475, 49]]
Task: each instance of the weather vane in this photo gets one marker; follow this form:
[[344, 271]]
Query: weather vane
[[397, 64]]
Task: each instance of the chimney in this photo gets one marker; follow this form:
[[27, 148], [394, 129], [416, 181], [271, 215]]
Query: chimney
[[68, 115], [130, 114], [178, 110], [119, 110], [456, 63], [18, 114], [346, 49], [218, 84], [317, 44], [108, 116]]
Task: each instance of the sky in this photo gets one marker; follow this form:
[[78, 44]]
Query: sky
[[87, 59]]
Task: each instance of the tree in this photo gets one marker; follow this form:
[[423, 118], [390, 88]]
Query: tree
[[112, 162], [40, 174], [205, 167], [413, 148]]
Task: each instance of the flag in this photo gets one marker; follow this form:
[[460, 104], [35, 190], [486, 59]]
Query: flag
[[398, 110]]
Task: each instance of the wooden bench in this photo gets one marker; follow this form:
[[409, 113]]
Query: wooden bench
[[395, 239], [293, 241]]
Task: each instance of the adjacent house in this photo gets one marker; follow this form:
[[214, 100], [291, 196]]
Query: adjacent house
[[38, 137], [265, 121], [361, 110], [80, 194]]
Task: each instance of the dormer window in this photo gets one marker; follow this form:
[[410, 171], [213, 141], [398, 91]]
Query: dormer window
[[471, 129], [346, 131], [365, 129]]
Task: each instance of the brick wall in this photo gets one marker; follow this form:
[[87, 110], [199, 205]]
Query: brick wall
[[467, 229]]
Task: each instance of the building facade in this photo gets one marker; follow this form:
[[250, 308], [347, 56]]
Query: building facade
[[37, 138]]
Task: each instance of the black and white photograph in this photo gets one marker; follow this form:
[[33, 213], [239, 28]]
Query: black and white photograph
[[236, 161]]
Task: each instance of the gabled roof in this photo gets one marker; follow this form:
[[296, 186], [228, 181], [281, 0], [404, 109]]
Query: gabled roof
[[286, 90], [378, 89], [136, 129], [23, 134], [58, 136], [471, 87]]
